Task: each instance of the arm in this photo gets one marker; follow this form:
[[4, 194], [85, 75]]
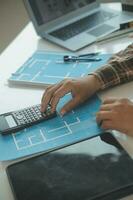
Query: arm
[[117, 114], [118, 70]]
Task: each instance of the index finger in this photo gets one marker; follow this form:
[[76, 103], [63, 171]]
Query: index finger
[[103, 115], [46, 98], [110, 100]]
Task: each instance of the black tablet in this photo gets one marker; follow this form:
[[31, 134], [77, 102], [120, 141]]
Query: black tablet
[[95, 169]]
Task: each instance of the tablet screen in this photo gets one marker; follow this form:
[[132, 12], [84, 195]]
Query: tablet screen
[[98, 168]]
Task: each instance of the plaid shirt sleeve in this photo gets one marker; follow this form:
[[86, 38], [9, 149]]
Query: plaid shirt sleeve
[[119, 69]]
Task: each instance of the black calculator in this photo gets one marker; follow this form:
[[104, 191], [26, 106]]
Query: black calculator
[[12, 122]]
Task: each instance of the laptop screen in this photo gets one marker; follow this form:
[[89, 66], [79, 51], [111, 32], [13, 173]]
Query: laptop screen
[[48, 10]]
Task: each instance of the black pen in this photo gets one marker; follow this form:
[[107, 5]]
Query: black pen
[[80, 59]]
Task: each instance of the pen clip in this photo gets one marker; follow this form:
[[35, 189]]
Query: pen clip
[[89, 54]]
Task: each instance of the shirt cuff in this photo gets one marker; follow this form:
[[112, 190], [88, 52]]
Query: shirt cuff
[[107, 76]]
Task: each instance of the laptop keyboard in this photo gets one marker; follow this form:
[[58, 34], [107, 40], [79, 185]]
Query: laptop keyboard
[[82, 25]]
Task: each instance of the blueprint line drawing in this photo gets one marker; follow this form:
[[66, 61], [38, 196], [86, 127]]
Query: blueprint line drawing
[[40, 138], [42, 69], [80, 124], [77, 125]]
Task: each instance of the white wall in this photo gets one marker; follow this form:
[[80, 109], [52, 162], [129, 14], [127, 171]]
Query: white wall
[[13, 18]]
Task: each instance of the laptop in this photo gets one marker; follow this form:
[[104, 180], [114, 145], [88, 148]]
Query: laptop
[[73, 24]]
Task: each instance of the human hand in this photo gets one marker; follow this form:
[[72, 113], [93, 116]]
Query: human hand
[[116, 114], [81, 89]]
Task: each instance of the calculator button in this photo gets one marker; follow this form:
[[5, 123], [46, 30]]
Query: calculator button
[[31, 115], [22, 122], [19, 123], [33, 119], [19, 117], [29, 121]]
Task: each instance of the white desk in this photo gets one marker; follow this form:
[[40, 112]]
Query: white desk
[[14, 98]]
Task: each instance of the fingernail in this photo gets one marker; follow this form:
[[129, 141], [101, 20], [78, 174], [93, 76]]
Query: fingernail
[[63, 112], [100, 123], [53, 110], [41, 109]]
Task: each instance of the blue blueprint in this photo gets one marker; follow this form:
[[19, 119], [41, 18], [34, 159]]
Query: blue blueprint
[[41, 68], [78, 125]]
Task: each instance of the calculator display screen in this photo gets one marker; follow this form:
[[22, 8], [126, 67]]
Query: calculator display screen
[[11, 122]]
